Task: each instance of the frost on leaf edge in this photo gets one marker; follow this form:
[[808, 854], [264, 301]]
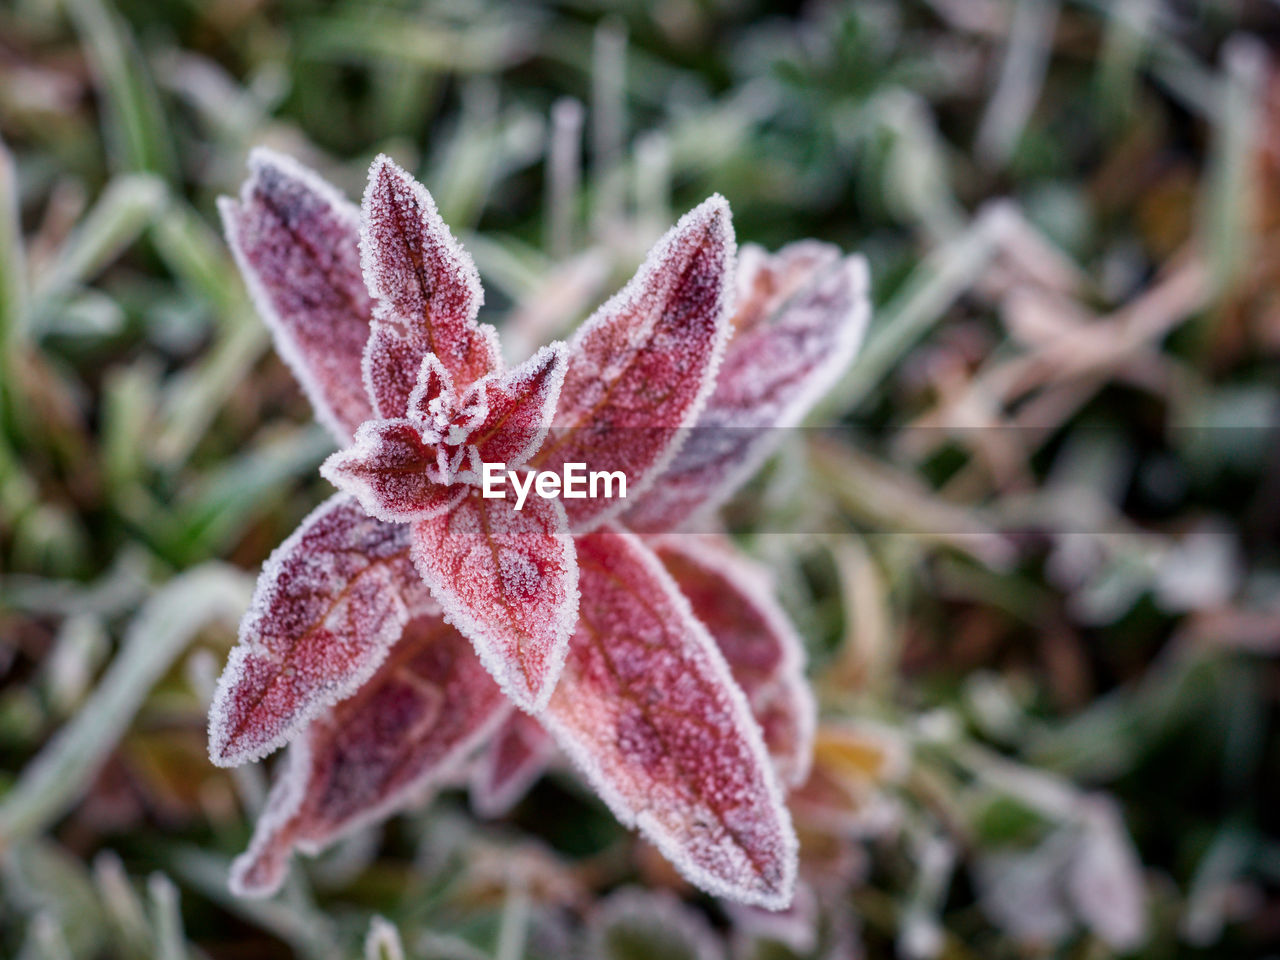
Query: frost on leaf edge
[[366, 444], [757, 583], [714, 208], [288, 793], [587, 766], [824, 377], [228, 210], [449, 243], [559, 367], [233, 672], [457, 616]]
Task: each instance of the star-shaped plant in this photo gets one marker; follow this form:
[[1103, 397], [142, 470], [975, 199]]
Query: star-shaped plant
[[392, 633]]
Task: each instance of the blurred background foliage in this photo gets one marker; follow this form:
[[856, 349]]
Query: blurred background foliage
[[1044, 612]]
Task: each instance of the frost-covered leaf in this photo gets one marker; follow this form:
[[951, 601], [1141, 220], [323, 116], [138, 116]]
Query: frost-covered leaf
[[433, 394], [330, 602], [393, 472], [409, 727], [426, 287], [632, 924], [508, 580], [800, 318], [509, 765], [296, 241], [520, 403], [647, 708], [642, 366], [734, 600], [391, 364]]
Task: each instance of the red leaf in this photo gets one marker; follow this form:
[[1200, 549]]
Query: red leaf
[[507, 579], [394, 473], [647, 708], [642, 366], [801, 316], [432, 392], [734, 600], [330, 602], [509, 765], [424, 282], [520, 403], [410, 727], [392, 363], [295, 239]]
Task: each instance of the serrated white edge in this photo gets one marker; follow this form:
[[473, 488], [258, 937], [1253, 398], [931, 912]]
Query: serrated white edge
[[522, 373], [667, 845], [715, 212], [285, 345], [366, 445], [822, 379], [430, 363], [435, 225], [246, 645], [411, 793], [512, 682], [290, 788], [283, 801], [757, 586]]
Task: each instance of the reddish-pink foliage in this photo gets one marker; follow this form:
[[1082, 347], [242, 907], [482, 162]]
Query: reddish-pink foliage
[[393, 472], [641, 367], [424, 282], [378, 320], [507, 579], [510, 763], [520, 404], [800, 317], [294, 238], [409, 727], [734, 600], [648, 710], [331, 601]]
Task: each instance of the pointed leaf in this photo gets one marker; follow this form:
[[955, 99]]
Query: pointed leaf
[[507, 579], [330, 602], [641, 368], [432, 393], [410, 727], [647, 708], [734, 599], [520, 403], [392, 472], [296, 241], [509, 765], [801, 315], [424, 282], [392, 363]]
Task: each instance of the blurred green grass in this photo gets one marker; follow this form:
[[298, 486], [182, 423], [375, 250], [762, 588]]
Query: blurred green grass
[[1057, 472]]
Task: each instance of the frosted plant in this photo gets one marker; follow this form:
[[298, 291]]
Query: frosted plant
[[393, 636]]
